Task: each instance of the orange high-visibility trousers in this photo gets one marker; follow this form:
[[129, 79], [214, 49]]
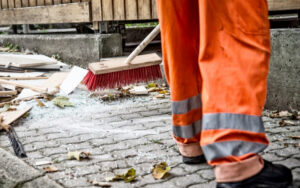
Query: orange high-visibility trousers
[[216, 56]]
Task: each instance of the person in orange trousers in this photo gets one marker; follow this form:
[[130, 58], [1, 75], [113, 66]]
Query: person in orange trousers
[[216, 58]]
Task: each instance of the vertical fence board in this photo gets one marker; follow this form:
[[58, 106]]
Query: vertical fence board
[[97, 10], [25, 3], [66, 1], [75, 1], [48, 2], [154, 10], [11, 4], [107, 10], [40, 2], [57, 2], [32, 3], [144, 9], [131, 9], [119, 10], [4, 4], [18, 3]]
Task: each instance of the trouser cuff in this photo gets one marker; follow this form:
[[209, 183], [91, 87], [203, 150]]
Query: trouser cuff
[[190, 150], [239, 171]]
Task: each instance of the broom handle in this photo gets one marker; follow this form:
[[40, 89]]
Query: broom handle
[[143, 44]]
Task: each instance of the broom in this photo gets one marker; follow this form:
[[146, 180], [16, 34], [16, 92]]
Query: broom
[[124, 71]]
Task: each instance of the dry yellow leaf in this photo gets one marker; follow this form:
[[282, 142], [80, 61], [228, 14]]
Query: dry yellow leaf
[[50, 169], [40, 103], [160, 170], [78, 155]]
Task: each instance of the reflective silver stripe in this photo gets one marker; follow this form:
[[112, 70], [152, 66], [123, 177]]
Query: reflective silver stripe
[[236, 148], [184, 106], [188, 131], [233, 121]]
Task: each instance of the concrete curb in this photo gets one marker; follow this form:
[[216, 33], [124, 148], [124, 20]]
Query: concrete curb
[[16, 173], [77, 49]]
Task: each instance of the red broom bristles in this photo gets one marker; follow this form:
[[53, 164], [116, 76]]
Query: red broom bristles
[[121, 78]]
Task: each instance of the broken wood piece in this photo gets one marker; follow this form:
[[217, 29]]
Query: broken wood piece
[[9, 117], [5, 93], [23, 78], [34, 88], [55, 80]]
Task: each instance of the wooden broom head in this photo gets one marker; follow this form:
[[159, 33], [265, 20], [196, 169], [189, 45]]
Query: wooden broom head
[[119, 64]]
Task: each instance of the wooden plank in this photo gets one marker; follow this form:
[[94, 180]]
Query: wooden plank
[[75, 1], [144, 9], [107, 10], [131, 9], [25, 3], [18, 3], [4, 4], [119, 10], [154, 10], [25, 60], [40, 2], [11, 4], [277, 5], [119, 65], [57, 2], [96, 10], [66, 1], [64, 13]]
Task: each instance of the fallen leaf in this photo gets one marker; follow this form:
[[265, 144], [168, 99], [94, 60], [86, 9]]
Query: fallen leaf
[[40, 103], [99, 184], [285, 114], [159, 171], [295, 137], [50, 169], [129, 176], [62, 101], [78, 155], [151, 85], [164, 92], [297, 145], [160, 96]]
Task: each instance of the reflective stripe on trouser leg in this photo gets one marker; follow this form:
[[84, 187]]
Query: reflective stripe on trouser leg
[[187, 125], [231, 137]]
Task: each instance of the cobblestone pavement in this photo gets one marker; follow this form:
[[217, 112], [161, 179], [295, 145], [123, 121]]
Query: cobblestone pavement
[[120, 135]]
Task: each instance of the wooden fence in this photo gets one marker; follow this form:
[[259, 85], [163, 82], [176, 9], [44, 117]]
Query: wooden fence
[[87, 11]]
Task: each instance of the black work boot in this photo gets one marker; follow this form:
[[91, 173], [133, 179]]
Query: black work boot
[[194, 160], [271, 176]]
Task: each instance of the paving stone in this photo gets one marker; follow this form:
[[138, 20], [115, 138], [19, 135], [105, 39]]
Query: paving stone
[[42, 182], [290, 163]]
